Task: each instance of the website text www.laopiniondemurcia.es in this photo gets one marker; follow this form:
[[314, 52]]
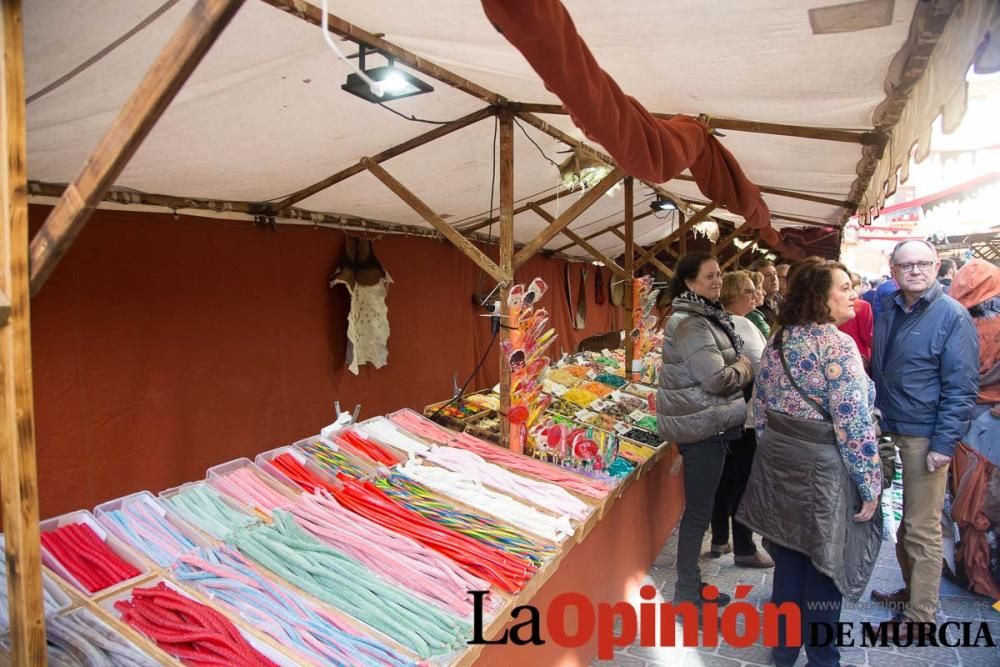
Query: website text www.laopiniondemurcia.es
[[739, 624]]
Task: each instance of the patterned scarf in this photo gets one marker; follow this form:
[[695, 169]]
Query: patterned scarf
[[714, 311]]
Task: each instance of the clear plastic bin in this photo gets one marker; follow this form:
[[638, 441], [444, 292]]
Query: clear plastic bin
[[264, 461], [156, 506], [286, 489], [118, 546], [273, 654]]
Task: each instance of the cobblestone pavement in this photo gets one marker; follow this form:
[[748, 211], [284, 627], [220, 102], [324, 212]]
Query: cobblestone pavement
[[957, 604]]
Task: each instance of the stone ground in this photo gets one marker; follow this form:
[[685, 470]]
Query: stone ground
[[957, 604]]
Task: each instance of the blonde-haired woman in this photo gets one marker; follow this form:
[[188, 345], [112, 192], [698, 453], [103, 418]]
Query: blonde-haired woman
[[739, 297]]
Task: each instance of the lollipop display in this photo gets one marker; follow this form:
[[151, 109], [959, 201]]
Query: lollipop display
[[530, 337], [644, 323]]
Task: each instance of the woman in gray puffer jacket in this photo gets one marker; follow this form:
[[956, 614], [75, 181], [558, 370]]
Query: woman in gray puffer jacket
[[700, 402]]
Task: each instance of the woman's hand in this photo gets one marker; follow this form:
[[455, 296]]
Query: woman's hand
[[867, 511]]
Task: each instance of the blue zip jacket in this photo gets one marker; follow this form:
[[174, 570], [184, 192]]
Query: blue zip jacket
[[927, 378]]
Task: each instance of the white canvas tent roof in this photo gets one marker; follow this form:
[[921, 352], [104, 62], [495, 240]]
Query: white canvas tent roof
[[263, 115]]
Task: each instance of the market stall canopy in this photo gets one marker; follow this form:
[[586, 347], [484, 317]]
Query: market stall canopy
[[264, 115]]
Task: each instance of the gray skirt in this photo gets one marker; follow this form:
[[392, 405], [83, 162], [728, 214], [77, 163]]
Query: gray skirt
[[801, 497]]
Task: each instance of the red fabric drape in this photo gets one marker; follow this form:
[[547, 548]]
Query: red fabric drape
[[164, 346], [648, 148], [970, 475]]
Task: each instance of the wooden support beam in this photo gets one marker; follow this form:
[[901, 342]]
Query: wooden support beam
[[724, 243], [677, 233], [805, 221], [18, 474], [425, 212], [792, 194], [865, 138], [629, 235], [344, 174], [506, 267], [606, 230], [735, 258], [666, 270], [556, 133], [571, 214], [338, 26], [148, 101], [791, 218], [580, 241], [520, 209]]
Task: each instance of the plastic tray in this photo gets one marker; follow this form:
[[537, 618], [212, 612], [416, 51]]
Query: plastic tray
[[264, 461], [116, 545], [166, 494], [61, 597], [189, 531], [287, 489], [276, 656]]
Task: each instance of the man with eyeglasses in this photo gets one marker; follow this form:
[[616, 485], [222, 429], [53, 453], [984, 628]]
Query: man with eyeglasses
[[925, 363]]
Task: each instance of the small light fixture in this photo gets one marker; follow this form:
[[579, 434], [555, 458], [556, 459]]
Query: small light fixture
[[390, 83], [663, 204]]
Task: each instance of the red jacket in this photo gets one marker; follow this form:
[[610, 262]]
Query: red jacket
[[861, 327]]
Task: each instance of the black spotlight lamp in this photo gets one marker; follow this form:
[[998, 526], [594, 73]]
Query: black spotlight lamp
[[394, 83], [663, 204]]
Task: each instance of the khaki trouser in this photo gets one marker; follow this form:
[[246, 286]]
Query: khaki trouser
[[918, 539]]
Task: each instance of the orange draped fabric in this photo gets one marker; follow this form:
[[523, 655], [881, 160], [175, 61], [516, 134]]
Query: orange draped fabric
[[970, 474], [648, 148]]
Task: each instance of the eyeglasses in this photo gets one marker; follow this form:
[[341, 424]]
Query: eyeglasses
[[907, 267], [752, 290]]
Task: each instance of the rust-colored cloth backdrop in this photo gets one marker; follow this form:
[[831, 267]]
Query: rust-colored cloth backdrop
[[163, 346]]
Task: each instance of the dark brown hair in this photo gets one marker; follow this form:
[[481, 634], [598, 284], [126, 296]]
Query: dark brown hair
[[688, 267], [808, 292]]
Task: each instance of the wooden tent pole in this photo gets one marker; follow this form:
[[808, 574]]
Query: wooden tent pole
[[135, 119], [310, 13], [582, 242], [865, 138], [561, 192], [506, 266], [344, 174], [556, 133], [666, 270], [571, 214], [781, 192], [18, 474], [724, 243], [735, 258], [677, 233], [629, 275], [606, 230], [446, 230]]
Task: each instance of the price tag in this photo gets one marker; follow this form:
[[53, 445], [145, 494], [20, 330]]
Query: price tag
[[637, 415], [622, 428], [584, 416], [558, 389]]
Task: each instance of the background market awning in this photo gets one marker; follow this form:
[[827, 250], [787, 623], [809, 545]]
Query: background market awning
[[264, 115]]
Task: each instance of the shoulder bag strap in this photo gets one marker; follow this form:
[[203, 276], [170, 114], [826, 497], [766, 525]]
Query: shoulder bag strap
[[779, 343]]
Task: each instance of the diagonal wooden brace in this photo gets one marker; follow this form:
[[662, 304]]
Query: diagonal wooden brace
[[666, 270], [571, 214], [580, 241], [682, 229], [175, 63], [446, 230]]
